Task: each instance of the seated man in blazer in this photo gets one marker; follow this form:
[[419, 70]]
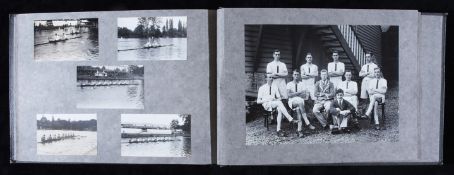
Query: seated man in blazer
[[269, 97], [342, 112], [324, 94]]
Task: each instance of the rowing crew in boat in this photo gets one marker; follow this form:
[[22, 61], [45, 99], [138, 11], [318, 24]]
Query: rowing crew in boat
[[57, 38], [152, 42]]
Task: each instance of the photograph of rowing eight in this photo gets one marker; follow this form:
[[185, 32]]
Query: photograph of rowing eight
[[107, 87], [66, 39], [156, 135], [66, 134], [152, 38]]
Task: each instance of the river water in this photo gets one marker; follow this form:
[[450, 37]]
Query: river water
[[177, 51], [79, 49], [112, 96], [85, 143]]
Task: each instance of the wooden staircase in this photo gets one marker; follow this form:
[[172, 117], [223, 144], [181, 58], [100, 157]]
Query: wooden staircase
[[342, 39]]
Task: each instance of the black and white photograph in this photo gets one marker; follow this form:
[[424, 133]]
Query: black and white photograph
[[107, 87], [313, 84], [156, 135], [66, 134], [66, 39], [152, 38]]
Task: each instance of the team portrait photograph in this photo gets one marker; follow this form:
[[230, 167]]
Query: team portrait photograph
[[152, 38], [312, 84], [66, 40]]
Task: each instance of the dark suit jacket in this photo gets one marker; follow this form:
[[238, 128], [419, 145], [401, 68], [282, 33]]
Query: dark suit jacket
[[345, 106]]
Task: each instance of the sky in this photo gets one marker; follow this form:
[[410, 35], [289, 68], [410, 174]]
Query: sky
[[59, 22], [152, 119], [131, 22], [73, 117]]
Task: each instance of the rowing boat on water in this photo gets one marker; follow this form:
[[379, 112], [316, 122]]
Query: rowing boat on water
[[57, 40], [147, 47]]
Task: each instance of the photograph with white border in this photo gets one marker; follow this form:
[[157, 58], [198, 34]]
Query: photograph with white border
[[152, 38], [66, 134]]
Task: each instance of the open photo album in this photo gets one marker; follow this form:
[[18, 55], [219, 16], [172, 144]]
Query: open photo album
[[229, 87]]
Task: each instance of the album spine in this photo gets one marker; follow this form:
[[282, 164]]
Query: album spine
[[220, 60], [12, 86]]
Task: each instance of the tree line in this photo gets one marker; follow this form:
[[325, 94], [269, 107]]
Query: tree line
[[186, 126], [150, 27], [59, 124]]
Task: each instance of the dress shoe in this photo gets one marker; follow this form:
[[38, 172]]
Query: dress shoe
[[377, 127], [300, 134], [311, 127], [294, 121], [280, 133]]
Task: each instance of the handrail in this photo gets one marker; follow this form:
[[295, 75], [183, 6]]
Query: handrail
[[354, 43]]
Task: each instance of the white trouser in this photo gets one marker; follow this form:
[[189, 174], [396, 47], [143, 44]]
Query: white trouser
[[373, 105], [318, 114], [281, 86], [308, 85], [335, 80], [280, 110], [364, 84], [353, 100]]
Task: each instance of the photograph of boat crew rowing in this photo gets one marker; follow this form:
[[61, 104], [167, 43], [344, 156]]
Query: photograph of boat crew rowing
[[152, 38], [66, 134], [156, 135], [108, 87], [66, 40]]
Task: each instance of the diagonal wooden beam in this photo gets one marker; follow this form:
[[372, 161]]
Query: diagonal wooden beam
[[345, 46]]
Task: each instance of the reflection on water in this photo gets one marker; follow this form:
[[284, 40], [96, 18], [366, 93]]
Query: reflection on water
[[180, 147], [83, 46], [112, 96], [177, 50]]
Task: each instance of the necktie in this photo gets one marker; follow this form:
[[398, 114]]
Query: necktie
[[347, 85], [277, 68], [296, 87], [340, 104], [309, 69], [270, 90], [376, 85], [335, 66], [367, 68]]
